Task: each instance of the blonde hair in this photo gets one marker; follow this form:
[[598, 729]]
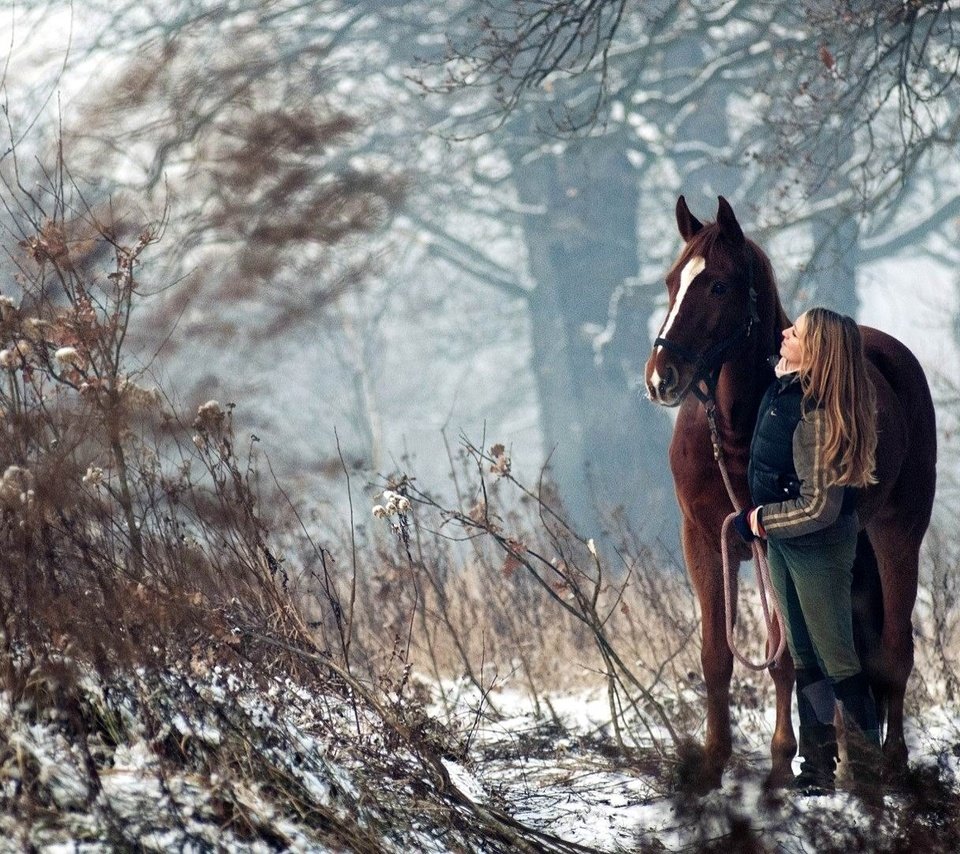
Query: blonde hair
[[834, 376]]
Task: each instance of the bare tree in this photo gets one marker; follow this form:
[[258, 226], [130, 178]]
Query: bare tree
[[531, 214]]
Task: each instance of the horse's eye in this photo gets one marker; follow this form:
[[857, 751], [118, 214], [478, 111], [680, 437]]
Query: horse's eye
[[718, 288]]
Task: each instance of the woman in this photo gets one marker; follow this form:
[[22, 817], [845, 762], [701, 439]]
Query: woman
[[814, 445]]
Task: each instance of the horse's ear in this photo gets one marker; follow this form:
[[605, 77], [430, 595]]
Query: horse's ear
[[728, 222], [688, 224]]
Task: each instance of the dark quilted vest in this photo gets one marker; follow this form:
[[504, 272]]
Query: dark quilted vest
[[771, 474]]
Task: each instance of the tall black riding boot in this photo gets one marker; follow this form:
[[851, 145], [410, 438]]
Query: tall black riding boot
[[863, 737], [818, 738], [818, 749]]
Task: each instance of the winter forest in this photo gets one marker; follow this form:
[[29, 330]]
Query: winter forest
[[335, 516]]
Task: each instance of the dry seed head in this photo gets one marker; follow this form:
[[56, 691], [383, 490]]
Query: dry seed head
[[94, 476], [137, 397], [478, 513], [210, 416], [16, 487], [69, 356], [9, 359], [54, 244], [394, 503], [501, 462], [35, 328]]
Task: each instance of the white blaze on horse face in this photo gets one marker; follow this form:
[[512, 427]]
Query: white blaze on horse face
[[693, 268]]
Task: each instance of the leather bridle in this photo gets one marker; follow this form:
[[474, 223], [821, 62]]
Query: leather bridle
[[707, 365]]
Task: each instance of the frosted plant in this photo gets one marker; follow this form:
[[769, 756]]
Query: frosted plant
[[501, 462], [94, 476], [396, 503], [210, 417], [69, 356], [16, 487]]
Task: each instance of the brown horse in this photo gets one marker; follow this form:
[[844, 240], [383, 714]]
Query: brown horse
[[724, 323]]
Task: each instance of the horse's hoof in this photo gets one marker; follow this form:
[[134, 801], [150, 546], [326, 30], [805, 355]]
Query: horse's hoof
[[695, 774], [895, 766], [780, 777]]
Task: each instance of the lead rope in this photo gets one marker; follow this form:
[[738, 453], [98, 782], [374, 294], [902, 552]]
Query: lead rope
[[761, 566]]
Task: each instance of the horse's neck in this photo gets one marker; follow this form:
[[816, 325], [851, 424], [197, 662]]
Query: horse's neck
[[741, 384], [744, 379]]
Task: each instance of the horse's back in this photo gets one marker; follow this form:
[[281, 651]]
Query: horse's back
[[907, 434]]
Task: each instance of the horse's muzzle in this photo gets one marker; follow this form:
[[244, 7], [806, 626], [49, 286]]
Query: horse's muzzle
[[664, 388]]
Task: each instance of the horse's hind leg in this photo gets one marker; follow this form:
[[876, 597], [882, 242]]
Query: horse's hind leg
[[898, 554]]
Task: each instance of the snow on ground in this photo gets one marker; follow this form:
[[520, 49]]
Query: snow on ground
[[214, 764], [565, 775], [228, 760]]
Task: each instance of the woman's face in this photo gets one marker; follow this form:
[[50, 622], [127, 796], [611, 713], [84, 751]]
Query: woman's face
[[791, 347]]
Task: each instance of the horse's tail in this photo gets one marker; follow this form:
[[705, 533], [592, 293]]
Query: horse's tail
[[867, 596]]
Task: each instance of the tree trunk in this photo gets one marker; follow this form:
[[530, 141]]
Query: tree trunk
[[609, 452], [831, 274], [830, 278]]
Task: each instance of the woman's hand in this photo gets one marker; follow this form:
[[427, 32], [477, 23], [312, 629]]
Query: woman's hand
[[748, 525], [742, 523]]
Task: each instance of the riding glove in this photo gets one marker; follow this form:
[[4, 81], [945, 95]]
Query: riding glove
[[742, 523]]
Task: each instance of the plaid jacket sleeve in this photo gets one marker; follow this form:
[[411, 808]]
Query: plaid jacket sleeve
[[818, 504]]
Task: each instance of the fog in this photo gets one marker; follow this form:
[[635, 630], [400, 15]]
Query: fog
[[387, 228]]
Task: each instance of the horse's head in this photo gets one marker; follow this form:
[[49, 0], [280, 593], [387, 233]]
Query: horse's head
[[713, 306]]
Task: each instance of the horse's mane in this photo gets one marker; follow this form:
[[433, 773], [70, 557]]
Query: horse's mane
[[766, 273]]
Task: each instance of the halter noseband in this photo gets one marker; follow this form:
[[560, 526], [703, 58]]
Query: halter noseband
[[707, 364]]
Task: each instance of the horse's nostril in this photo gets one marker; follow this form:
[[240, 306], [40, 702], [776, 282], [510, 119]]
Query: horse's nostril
[[669, 379]]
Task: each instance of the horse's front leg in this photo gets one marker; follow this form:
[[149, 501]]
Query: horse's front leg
[[706, 572], [783, 746]]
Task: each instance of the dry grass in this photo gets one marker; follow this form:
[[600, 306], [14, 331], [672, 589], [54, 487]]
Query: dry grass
[[144, 600], [141, 559]]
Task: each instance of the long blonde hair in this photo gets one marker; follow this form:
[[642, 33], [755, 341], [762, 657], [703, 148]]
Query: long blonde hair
[[834, 376]]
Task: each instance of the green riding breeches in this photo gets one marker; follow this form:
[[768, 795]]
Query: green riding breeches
[[812, 583]]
